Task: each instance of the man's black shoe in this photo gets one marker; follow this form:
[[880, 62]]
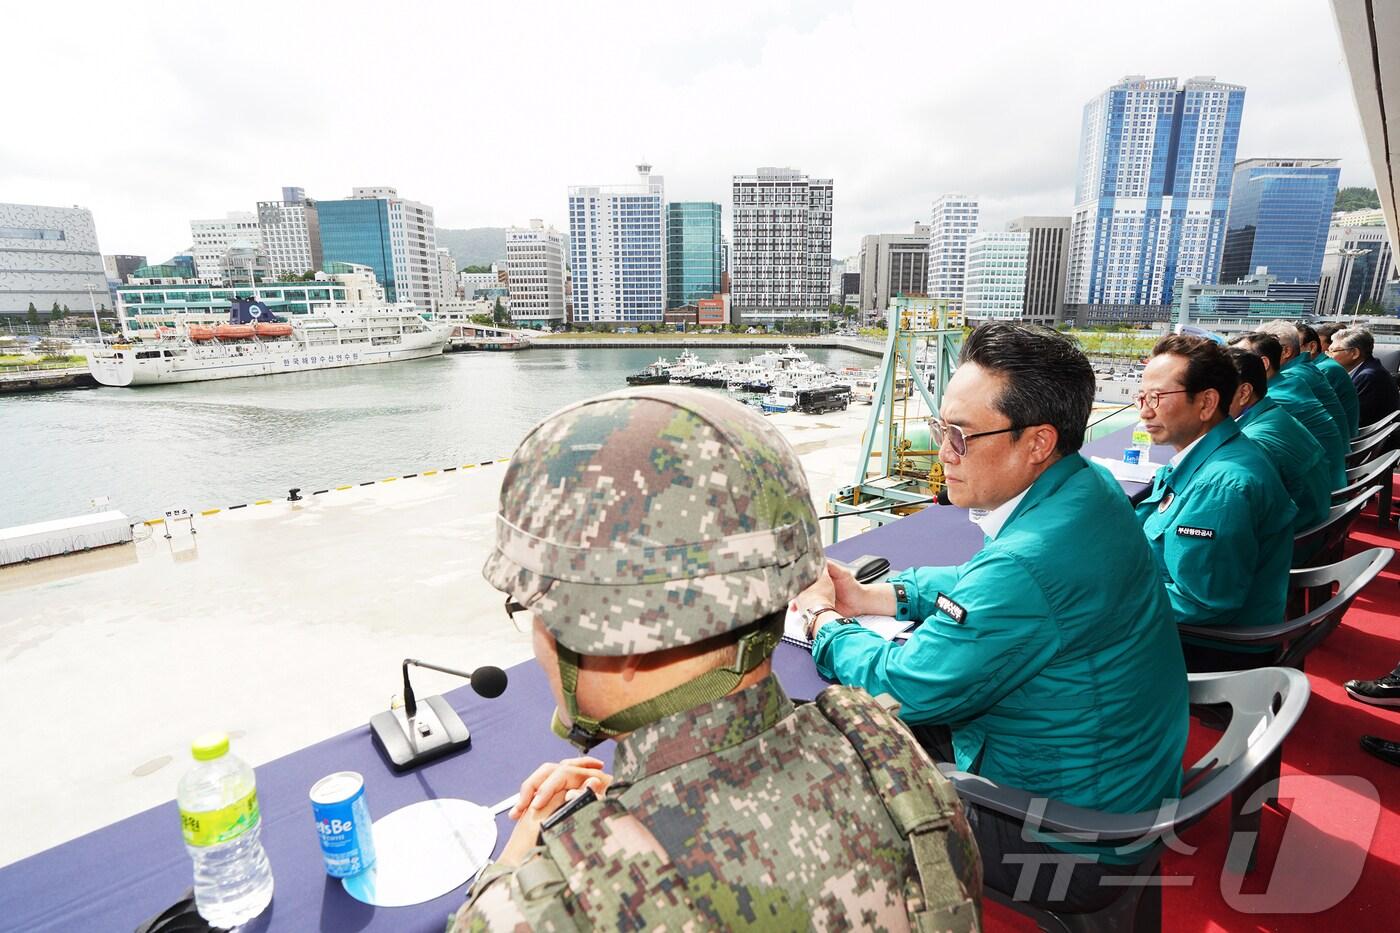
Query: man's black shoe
[[1383, 691], [1385, 751]]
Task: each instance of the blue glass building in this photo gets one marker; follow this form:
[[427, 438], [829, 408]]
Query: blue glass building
[[1279, 213], [1153, 190], [357, 230], [694, 261]]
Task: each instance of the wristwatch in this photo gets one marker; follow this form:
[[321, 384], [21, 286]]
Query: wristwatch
[[809, 619]]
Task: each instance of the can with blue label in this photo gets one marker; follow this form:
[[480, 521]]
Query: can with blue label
[[342, 821]]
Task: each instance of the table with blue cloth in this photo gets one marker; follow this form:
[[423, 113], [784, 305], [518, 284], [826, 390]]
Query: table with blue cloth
[[117, 877]]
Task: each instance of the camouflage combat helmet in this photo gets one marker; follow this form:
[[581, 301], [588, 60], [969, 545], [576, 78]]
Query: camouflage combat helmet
[[653, 518]]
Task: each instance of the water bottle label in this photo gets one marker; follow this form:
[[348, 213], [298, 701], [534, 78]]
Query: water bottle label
[[1142, 439], [212, 827]]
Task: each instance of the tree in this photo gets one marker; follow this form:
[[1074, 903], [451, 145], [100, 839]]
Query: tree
[[484, 319], [54, 312], [1356, 199], [477, 269], [33, 316], [500, 315]]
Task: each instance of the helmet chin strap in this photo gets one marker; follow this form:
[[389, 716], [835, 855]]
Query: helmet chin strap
[[585, 732]]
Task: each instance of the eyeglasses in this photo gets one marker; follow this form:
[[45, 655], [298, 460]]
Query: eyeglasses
[[519, 615], [955, 438], [1154, 398]]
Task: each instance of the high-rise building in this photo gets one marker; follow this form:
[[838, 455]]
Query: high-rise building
[[1355, 267], [1155, 162], [1279, 213], [447, 274], [780, 266], [892, 264], [1047, 258], [617, 251], [214, 238], [535, 267], [994, 284], [694, 258], [394, 236], [955, 218], [291, 233], [48, 256], [120, 267]]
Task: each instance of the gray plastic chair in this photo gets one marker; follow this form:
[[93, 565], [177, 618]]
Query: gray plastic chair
[[1370, 446], [1323, 542], [1264, 705], [1366, 430], [1374, 472]]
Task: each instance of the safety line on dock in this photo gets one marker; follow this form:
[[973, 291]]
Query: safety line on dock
[[319, 492]]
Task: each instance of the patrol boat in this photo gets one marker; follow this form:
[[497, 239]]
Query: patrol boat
[[256, 343]]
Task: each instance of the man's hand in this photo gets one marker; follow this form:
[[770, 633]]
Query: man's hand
[[551, 786], [837, 587]]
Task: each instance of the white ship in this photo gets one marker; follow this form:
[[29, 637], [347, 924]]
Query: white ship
[[254, 343]]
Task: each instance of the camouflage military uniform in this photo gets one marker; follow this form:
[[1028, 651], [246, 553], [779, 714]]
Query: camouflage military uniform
[[661, 518], [777, 823]]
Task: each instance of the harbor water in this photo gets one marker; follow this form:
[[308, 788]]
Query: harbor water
[[214, 444]]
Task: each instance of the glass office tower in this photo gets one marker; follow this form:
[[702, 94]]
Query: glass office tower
[[1155, 163], [693, 257], [1279, 213], [356, 230]]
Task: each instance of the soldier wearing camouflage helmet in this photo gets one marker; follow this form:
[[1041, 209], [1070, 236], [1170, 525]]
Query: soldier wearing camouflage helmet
[[655, 537]]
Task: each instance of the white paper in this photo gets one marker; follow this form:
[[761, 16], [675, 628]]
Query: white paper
[[424, 850], [1129, 472], [887, 627]]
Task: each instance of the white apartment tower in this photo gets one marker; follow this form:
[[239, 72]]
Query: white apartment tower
[[291, 234], [617, 247], [214, 238], [954, 220], [995, 279], [447, 274], [413, 246], [535, 267], [780, 259]]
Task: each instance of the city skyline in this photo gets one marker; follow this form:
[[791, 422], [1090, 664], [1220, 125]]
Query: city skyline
[[254, 136]]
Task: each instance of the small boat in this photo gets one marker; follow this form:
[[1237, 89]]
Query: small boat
[[234, 331], [199, 333], [272, 330], [781, 399]]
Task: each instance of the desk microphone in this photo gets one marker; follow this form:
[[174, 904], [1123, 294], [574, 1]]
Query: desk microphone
[[416, 733]]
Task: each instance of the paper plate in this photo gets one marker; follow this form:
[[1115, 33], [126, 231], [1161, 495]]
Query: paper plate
[[424, 850]]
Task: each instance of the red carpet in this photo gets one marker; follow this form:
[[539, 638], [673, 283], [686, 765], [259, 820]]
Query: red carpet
[[1306, 881]]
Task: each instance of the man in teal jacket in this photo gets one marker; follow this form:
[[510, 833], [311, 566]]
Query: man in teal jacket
[[1335, 373], [1051, 654], [1296, 454], [1218, 520], [1294, 365], [1294, 397]]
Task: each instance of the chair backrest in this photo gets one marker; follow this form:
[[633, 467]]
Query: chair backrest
[[1350, 576], [1368, 447], [1323, 541], [1366, 430], [1265, 705], [1373, 472]]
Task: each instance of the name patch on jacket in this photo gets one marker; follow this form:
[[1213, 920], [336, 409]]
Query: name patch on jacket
[[949, 608], [1186, 531]]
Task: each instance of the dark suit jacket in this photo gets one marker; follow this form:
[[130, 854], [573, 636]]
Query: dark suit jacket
[[1376, 393]]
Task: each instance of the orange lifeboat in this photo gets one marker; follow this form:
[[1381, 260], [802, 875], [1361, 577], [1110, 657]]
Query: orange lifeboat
[[273, 330], [233, 331], [199, 333]]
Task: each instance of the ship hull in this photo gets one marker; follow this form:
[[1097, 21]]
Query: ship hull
[[123, 369]]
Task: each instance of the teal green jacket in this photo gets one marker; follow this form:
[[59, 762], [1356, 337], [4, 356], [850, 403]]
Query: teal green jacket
[[1301, 368], [1294, 397], [1340, 380], [1220, 526], [1051, 654], [1296, 454]]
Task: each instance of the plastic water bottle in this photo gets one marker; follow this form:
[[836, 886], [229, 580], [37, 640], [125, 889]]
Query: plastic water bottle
[[1143, 442], [219, 815]]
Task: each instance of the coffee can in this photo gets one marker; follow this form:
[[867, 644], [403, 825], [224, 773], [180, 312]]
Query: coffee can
[[343, 823]]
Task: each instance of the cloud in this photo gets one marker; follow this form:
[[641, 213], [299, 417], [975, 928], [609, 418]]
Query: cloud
[[155, 113]]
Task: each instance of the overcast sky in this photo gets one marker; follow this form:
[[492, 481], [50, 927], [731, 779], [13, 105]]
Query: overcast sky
[[151, 114]]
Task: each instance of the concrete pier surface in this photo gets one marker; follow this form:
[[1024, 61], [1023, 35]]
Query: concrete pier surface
[[283, 623]]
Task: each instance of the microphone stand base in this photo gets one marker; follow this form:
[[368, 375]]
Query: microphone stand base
[[435, 731]]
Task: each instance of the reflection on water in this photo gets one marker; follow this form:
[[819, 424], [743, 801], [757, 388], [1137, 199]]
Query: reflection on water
[[210, 444]]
